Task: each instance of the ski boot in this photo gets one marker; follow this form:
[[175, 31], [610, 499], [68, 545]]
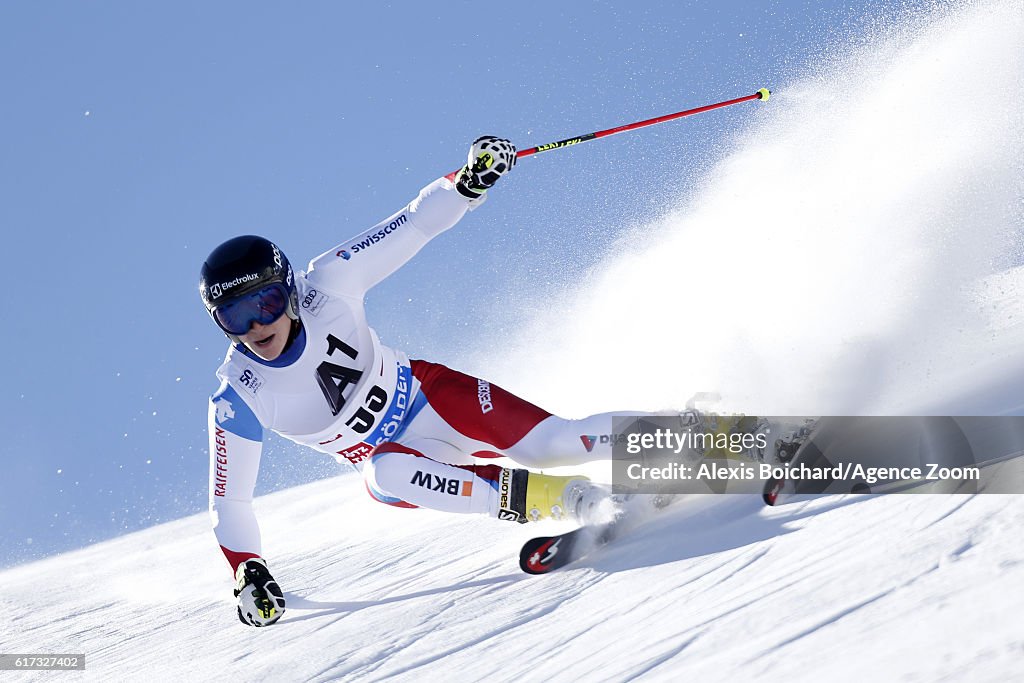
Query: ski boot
[[726, 428], [534, 496], [786, 449], [787, 446]]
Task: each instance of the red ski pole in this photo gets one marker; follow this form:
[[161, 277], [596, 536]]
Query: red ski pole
[[761, 94]]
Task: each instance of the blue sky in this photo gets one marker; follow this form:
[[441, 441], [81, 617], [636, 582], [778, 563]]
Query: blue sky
[[138, 136]]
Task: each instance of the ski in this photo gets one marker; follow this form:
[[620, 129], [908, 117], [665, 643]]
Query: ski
[[962, 444], [546, 553]]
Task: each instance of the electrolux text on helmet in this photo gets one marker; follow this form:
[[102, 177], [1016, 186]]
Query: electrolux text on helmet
[[221, 287]]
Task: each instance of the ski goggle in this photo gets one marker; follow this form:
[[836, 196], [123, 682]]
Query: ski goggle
[[263, 306]]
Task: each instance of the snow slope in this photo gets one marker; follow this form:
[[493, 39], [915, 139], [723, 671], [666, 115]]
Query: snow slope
[[897, 215], [915, 587]]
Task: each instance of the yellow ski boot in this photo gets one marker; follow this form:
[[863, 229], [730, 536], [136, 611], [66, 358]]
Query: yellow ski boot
[[531, 496]]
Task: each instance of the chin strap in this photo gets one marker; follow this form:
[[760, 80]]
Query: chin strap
[[293, 335]]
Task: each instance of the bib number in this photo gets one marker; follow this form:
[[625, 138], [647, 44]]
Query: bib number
[[334, 379]]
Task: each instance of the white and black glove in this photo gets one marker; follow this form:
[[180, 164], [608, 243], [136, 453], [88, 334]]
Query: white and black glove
[[489, 159], [260, 600]]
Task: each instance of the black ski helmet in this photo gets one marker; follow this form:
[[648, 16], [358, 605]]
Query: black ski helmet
[[243, 265]]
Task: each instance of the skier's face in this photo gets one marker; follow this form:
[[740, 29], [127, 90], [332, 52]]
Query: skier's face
[[268, 341]]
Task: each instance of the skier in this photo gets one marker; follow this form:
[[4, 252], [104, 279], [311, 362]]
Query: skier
[[304, 363]]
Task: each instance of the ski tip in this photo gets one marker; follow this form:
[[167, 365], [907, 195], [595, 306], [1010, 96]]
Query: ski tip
[[765, 93], [770, 494], [540, 555]]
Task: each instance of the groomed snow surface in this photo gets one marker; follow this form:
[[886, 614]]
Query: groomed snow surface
[[719, 588]]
